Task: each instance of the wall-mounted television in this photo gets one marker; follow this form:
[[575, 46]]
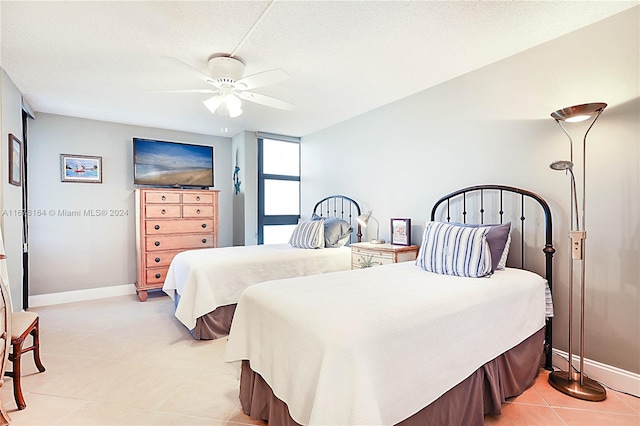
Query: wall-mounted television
[[177, 164]]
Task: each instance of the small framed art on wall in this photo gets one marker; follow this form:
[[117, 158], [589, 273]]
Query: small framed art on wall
[[15, 161], [80, 168], [401, 231]]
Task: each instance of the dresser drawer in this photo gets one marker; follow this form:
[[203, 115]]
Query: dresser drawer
[[158, 211], [159, 259], [162, 197], [185, 226], [374, 252], [367, 260], [156, 275], [197, 198], [197, 211], [174, 242]]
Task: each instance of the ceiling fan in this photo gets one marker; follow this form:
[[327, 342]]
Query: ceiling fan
[[230, 87]]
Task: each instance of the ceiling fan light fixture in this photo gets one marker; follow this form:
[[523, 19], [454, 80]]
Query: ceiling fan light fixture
[[234, 112], [233, 102], [213, 103]]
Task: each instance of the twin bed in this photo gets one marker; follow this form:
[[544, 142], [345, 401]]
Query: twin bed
[[403, 343], [206, 284]]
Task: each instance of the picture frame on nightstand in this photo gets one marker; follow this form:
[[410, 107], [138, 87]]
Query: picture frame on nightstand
[[400, 231]]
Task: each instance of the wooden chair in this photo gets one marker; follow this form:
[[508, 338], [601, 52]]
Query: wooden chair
[[5, 342], [23, 324]]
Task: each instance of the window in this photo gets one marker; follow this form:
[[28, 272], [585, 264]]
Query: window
[[278, 189]]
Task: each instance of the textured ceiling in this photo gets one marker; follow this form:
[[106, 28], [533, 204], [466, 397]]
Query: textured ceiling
[[105, 60]]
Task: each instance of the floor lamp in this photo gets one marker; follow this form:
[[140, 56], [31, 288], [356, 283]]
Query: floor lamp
[[574, 383]]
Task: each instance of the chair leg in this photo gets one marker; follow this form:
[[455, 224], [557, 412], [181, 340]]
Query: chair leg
[[36, 343], [15, 358]]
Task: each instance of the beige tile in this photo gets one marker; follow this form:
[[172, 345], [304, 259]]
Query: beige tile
[[596, 418], [146, 387], [239, 417], [86, 381], [41, 409], [557, 399], [212, 395], [97, 413], [530, 396], [136, 349], [59, 341], [630, 400], [523, 414], [170, 419]]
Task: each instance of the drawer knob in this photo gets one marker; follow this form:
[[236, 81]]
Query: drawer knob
[[204, 241], [158, 275], [156, 227], [204, 225], [157, 243], [164, 198], [198, 211], [157, 259], [198, 198], [164, 211]]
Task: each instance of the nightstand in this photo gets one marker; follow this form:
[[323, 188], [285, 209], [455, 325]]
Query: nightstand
[[366, 255]]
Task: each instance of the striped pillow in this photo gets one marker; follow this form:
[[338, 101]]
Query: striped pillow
[[455, 250], [308, 234]]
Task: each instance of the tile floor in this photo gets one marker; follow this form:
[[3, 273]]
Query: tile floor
[[117, 361]]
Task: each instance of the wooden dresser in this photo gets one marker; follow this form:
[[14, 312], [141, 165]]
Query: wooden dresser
[[169, 221]]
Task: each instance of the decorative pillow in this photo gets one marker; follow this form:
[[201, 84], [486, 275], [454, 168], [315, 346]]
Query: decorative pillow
[[503, 259], [308, 234], [455, 250], [497, 238], [337, 232]]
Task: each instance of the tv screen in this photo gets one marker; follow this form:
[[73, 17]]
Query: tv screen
[[162, 163]]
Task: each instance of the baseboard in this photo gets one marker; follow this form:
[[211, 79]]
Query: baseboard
[[80, 295], [612, 377]]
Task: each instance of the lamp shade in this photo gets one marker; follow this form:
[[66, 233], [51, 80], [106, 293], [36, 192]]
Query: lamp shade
[[561, 165], [578, 112], [363, 219]]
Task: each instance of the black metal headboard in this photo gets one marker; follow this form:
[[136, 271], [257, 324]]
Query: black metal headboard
[[477, 203], [343, 207]]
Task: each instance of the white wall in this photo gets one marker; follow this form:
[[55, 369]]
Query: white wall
[[246, 202], [73, 253], [493, 126], [11, 220]]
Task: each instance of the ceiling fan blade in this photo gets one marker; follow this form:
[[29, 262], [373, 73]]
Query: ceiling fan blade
[[265, 100], [260, 79], [210, 91], [200, 74]]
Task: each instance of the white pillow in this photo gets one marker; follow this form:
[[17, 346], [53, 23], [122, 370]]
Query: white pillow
[[455, 250], [308, 234]]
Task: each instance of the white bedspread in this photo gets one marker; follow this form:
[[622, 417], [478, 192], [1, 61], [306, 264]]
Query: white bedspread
[[209, 278], [374, 346]]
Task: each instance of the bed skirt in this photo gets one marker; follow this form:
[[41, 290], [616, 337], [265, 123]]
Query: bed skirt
[[467, 403], [213, 325]]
